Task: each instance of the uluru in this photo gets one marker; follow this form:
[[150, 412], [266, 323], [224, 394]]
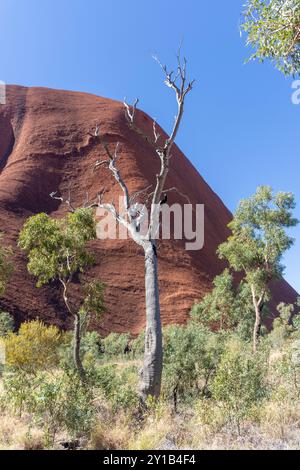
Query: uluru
[[45, 146]]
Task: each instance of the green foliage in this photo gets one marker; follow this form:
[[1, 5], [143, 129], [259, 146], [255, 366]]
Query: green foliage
[[238, 385], [259, 237], [258, 242], [56, 248], [191, 355], [283, 327], [5, 267], [93, 304], [227, 306], [119, 388], [91, 345], [56, 402], [18, 388], [138, 345], [273, 28], [35, 347], [284, 370], [115, 343], [6, 324]]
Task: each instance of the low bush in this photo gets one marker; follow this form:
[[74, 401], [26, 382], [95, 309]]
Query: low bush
[[34, 347], [239, 387], [115, 344]]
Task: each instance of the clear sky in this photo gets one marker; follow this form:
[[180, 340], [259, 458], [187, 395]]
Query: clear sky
[[240, 129]]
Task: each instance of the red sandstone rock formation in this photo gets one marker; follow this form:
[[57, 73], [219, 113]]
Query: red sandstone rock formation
[[45, 147]]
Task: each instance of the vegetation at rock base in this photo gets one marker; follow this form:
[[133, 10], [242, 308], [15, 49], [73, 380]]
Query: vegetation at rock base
[[258, 241], [217, 391], [56, 250]]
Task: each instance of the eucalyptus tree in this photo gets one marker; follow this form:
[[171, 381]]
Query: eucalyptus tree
[[258, 242], [273, 28], [133, 215], [57, 250], [228, 306]]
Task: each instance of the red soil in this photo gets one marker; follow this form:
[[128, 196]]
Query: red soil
[[45, 147]]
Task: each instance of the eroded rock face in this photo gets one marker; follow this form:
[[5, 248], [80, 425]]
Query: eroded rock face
[[45, 146]]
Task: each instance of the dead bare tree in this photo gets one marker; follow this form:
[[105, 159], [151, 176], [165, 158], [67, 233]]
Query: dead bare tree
[[150, 380]]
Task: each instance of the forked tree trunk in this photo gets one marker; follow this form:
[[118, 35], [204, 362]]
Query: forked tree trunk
[[150, 383], [76, 348]]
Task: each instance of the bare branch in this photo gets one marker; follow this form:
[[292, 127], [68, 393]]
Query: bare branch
[[137, 194], [174, 189], [169, 190], [66, 201], [156, 135], [96, 131], [113, 168], [86, 203], [130, 113]]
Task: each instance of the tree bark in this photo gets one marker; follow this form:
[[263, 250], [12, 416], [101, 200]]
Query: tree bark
[[150, 383], [76, 348], [258, 318], [76, 333], [257, 327], [150, 380]]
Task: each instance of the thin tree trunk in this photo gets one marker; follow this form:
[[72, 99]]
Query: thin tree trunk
[[150, 380], [257, 328], [76, 348], [76, 333], [258, 318]]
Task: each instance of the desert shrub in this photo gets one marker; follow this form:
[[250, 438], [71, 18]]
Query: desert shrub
[[114, 344], [56, 402], [91, 344], [191, 355], [239, 386], [18, 389], [6, 324], [283, 327], [90, 348], [284, 372], [138, 345], [118, 387], [34, 347]]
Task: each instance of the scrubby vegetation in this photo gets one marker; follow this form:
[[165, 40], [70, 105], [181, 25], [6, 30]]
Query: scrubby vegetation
[[218, 391]]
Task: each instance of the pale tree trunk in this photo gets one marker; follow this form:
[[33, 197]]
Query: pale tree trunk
[[151, 372], [258, 318], [76, 348], [150, 383], [257, 327], [76, 333]]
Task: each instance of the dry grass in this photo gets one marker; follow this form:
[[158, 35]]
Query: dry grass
[[275, 426], [17, 434], [168, 432]]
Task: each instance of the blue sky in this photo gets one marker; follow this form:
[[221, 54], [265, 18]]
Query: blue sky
[[240, 128]]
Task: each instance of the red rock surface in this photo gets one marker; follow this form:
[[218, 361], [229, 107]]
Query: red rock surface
[[44, 147]]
